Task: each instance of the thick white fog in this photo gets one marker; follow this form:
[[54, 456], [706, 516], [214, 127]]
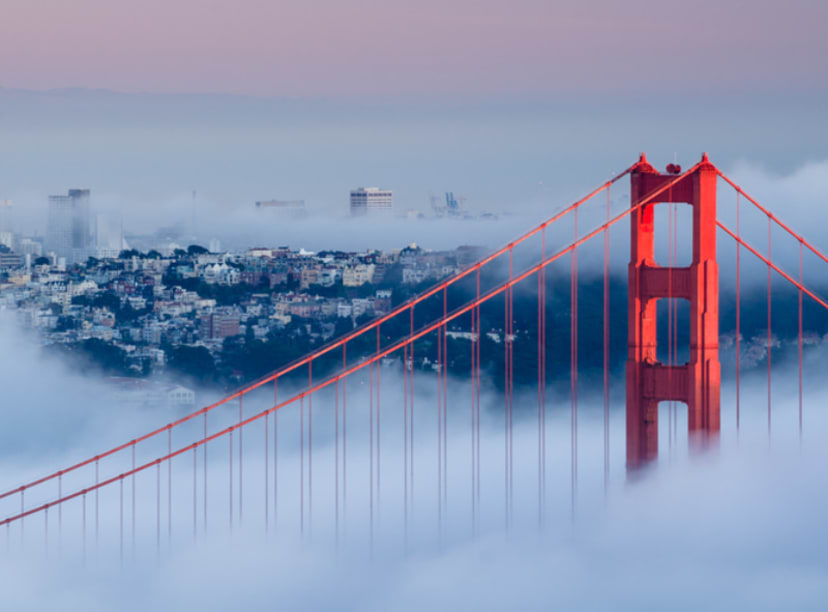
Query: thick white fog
[[737, 527]]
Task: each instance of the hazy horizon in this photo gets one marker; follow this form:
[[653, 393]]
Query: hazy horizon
[[143, 155]]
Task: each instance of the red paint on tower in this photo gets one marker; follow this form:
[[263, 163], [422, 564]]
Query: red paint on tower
[[696, 383]]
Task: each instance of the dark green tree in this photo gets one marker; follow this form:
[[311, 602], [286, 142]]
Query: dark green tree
[[194, 362]]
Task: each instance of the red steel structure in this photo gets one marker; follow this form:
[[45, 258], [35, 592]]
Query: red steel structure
[[649, 381], [697, 383]]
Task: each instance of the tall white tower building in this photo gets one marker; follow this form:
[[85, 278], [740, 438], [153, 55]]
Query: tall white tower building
[[69, 231], [370, 200]]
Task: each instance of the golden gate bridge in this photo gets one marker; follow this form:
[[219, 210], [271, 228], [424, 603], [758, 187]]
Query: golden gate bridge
[[199, 486]]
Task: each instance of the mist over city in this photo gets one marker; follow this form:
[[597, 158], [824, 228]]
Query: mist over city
[[455, 305]]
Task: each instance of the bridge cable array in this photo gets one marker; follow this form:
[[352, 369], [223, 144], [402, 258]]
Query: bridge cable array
[[405, 346]]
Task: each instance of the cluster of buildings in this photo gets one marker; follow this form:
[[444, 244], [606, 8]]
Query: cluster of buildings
[[73, 233], [73, 285], [363, 201], [80, 285], [147, 303]]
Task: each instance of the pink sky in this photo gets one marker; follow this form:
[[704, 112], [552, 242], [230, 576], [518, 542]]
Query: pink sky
[[429, 47]]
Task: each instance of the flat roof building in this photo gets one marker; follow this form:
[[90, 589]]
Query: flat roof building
[[69, 230], [365, 200]]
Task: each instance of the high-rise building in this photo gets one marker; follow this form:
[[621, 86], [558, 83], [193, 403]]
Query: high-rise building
[[69, 231], [367, 200]]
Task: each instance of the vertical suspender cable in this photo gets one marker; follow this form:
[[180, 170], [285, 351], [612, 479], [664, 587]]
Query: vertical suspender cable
[[60, 514], [769, 329], [540, 399], [440, 433], [543, 369], [473, 417], [411, 406], [195, 492], [371, 457], [310, 447], [157, 510], [606, 349], [302, 465], [573, 376], [275, 454], [169, 488], [120, 522], [83, 528], [133, 497], [378, 367], [231, 478], [738, 314], [444, 370], [506, 405], [204, 492], [267, 472], [241, 459], [477, 390], [800, 341], [344, 438], [511, 345], [405, 439], [97, 504], [336, 462]]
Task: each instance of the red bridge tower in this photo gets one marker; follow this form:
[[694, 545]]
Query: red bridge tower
[[649, 382]]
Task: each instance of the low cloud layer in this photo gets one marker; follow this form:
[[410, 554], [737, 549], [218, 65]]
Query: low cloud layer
[[740, 527]]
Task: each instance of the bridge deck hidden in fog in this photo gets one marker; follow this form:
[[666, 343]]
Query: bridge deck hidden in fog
[[72, 494]]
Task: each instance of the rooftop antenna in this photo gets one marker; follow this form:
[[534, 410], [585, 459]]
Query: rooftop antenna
[[193, 213]]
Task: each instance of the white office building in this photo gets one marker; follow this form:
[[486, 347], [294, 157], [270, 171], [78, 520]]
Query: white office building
[[367, 200], [69, 231]]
